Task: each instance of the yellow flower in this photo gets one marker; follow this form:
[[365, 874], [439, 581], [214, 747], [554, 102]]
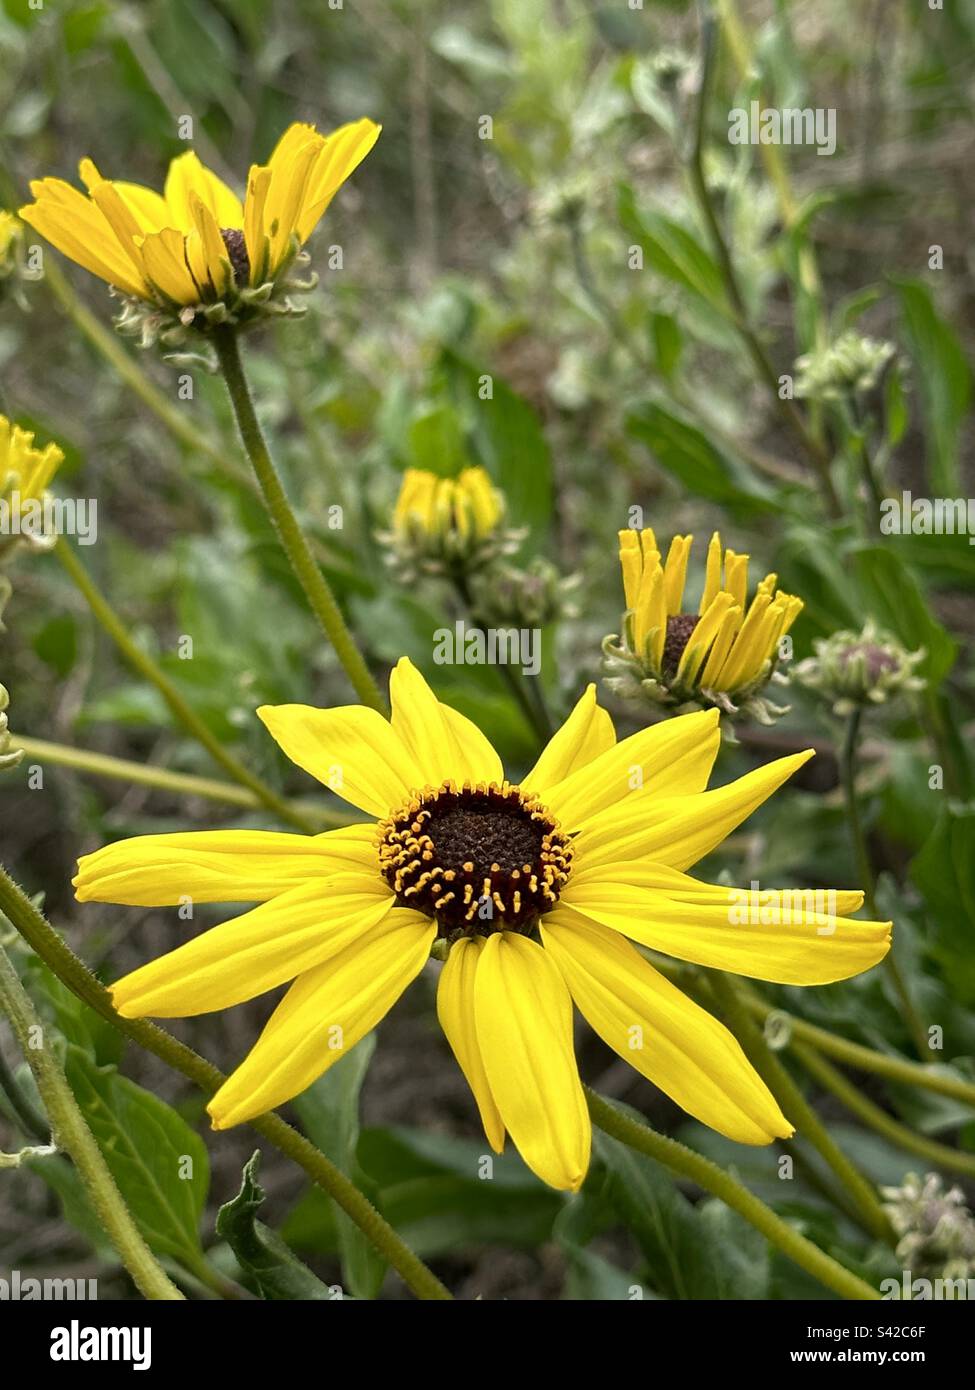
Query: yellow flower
[[447, 511], [446, 522], [534, 887], [25, 473], [196, 243], [723, 654]]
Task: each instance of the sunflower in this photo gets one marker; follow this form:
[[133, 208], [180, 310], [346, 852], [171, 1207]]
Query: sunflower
[[723, 655], [534, 891], [197, 244]]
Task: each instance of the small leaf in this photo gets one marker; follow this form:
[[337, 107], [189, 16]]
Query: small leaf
[[269, 1267]]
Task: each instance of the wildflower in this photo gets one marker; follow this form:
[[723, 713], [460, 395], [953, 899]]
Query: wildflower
[[195, 255], [858, 669], [446, 525], [935, 1228], [9, 755], [850, 366], [25, 473], [530, 889], [724, 655]]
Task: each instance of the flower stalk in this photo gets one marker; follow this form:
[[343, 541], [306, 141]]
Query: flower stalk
[[44, 940], [797, 1108], [141, 662], [697, 1169], [281, 514], [70, 1132], [848, 763]]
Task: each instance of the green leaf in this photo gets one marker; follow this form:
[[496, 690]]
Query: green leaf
[[945, 380], [693, 1252], [505, 436], [945, 873], [329, 1112], [672, 251], [269, 1267], [160, 1164], [683, 450]]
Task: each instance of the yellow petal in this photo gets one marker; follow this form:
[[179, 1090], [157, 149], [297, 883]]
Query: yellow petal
[[586, 734], [219, 866], [444, 744], [164, 258], [257, 951], [323, 1015], [785, 936], [216, 256], [668, 759], [258, 246], [680, 830], [663, 1035], [78, 228], [455, 1010], [340, 155], [354, 751], [683, 888], [523, 1016], [188, 177], [675, 573], [286, 197]]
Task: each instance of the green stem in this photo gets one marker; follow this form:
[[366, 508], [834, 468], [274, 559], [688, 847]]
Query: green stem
[[30, 1121], [796, 1108], [306, 570], [72, 972], [900, 1134], [688, 1164], [791, 414], [70, 1132], [848, 768], [533, 709], [897, 1069], [146, 775], [147, 668]]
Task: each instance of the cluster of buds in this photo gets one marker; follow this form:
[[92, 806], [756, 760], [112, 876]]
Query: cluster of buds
[[849, 367], [447, 526], [723, 656], [936, 1229], [503, 595], [9, 755], [854, 670]]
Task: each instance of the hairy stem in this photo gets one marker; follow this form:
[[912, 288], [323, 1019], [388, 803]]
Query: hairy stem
[[44, 940], [141, 662], [697, 1169], [70, 1132], [796, 1108], [316, 588]]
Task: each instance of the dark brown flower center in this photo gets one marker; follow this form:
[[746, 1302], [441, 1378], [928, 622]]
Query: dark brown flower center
[[236, 246], [478, 859], [679, 629]]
